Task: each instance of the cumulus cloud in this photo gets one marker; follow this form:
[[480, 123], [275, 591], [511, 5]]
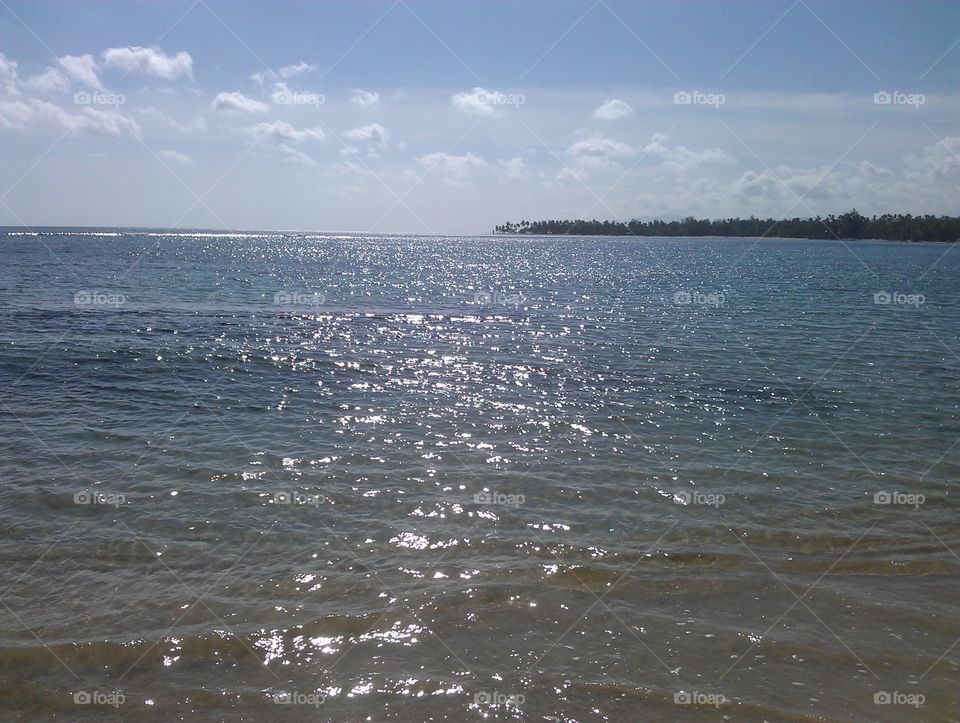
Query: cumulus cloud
[[294, 156], [50, 81], [32, 112], [82, 68], [288, 71], [754, 187], [237, 102], [8, 75], [937, 163], [682, 157], [365, 98], [175, 156], [594, 153], [872, 170], [600, 146], [373, 134], [149, 61], [282, 132], [613, 110]]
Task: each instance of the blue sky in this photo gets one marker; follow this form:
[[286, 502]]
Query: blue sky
[[450, 117]]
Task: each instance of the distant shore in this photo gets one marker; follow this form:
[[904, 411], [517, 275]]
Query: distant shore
[[848, 226]]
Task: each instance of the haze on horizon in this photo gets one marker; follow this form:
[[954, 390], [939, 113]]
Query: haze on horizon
[[429, 117]]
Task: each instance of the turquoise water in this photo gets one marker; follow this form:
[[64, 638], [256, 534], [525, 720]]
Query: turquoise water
[[419, 478]]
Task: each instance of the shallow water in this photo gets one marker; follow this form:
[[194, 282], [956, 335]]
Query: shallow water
[[278, 442]]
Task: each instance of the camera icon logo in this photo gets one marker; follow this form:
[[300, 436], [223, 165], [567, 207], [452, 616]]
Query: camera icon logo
[[82, 697], [882, 297], [882, 698], [682, 97], [282, 498], [882, 97], [82, 97], [282, 698], [682, 698], [882, 498], [83, 497], [684, 497]]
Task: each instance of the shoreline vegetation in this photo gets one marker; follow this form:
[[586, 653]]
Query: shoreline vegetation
[[849, 225]]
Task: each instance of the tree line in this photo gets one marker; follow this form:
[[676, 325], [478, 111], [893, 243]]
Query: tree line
[[849, 225]]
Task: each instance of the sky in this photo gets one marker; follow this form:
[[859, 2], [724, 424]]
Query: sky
[[449, 117]]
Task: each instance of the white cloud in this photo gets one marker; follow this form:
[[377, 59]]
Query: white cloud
[[479, 101], [365, 98], [8, 75], [753, 187], [282, 132], [294, 156], [601, 146], [51, 81], [594, 153], [182, 158], [288, 71], [680, 156], [15, 114], [239, 103], [872, 170], [82, 68], [28, 114], [149, 61], [373, 134], [613, 110], [937, 163]]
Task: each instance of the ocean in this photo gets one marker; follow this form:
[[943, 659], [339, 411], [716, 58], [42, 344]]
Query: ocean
[[315, 476]]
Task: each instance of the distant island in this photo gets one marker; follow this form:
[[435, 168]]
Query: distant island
[[850, 225]]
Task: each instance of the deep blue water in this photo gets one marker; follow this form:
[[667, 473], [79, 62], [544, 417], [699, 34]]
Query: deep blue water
[[441, 478]]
